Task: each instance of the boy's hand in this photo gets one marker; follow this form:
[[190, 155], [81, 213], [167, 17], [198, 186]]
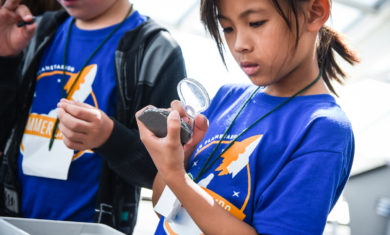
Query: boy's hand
[[14, 39], [82, 125]]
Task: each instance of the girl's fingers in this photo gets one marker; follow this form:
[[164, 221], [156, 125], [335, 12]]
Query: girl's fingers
[[199, 131], [201, 123], [177, 105], [143, 109], [173, 124], [146, 135]]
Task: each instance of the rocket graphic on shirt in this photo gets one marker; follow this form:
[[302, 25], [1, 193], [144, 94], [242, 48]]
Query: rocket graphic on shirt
[[235, 162], [38, 131], [237, 156]]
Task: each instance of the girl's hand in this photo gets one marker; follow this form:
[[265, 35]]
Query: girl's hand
[[167, 153], [200, 126], [14, 39]]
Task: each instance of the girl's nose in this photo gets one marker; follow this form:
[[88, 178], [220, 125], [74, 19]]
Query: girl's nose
[[242, 43]]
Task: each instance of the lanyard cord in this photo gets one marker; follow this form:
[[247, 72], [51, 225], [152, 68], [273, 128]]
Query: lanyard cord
[[82, 68], [207, 166]]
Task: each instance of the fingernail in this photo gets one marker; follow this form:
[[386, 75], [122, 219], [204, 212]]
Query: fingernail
[[175, 115], [29, 19], [204, 119]]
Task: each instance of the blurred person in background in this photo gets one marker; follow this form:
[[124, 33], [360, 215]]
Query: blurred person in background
[[71, 82]]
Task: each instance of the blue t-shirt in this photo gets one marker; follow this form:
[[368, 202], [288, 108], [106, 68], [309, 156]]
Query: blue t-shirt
[[46, 193], [284, 175]]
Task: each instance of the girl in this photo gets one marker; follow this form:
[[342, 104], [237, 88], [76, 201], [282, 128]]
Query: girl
[[278, 153]]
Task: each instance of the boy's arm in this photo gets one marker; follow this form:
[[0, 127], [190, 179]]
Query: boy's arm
[[118, 144], [86, 127], [123, 150]]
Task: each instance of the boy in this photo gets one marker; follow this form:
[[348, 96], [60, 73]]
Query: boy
[[97, 59]]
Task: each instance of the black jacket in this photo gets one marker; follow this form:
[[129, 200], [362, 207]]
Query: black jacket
[[149, 64]]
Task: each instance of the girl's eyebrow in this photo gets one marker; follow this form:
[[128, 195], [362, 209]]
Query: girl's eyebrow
[[243, 14], [221, 17]]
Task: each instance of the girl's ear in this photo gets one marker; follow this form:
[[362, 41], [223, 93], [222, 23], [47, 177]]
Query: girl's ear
[[319, 11]]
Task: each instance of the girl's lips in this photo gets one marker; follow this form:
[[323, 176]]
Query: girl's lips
[[68, 3], [249, 68]]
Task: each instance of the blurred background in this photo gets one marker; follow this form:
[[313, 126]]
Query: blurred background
[[365, 205]]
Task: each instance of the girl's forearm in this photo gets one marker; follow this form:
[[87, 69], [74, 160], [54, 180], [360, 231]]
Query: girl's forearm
[[158, 188], [203, 209]]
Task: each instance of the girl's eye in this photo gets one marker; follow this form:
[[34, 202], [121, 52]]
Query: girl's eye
[[227, 30], [257, 23]]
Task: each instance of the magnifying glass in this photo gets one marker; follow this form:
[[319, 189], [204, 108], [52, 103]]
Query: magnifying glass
[[194, 99], [193, 96]]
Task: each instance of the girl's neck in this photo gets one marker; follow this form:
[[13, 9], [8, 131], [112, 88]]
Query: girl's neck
[[111, 16]]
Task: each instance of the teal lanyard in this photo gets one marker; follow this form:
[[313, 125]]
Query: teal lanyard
[[209, 164], [55, 128]]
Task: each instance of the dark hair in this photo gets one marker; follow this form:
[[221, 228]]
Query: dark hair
[[329, 40]]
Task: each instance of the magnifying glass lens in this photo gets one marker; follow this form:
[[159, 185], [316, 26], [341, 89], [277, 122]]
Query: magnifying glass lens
[[193, 95]]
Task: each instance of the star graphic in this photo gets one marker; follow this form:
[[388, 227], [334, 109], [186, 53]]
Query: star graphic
[[235, 194], [195, 163]]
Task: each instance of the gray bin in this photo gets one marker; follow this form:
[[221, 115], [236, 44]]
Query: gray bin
[[22, 226]]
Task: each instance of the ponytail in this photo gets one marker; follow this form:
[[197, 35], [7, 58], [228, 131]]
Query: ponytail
[[329, 41]]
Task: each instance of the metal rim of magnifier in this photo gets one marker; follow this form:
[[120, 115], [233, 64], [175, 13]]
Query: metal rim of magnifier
[[198, 85]]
